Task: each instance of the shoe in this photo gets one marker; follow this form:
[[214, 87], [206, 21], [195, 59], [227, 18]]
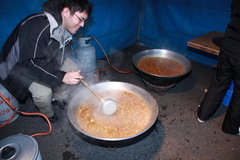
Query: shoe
[[232, 133], [199, 120], [53, 119], [60, 103]]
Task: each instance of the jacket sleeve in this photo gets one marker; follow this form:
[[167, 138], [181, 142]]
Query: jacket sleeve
[[37, 61]]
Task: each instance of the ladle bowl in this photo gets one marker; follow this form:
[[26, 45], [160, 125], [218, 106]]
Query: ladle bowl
[[84, 94], [108, 106]]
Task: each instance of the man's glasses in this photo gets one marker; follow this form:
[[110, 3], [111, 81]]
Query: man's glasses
[[81, 19]]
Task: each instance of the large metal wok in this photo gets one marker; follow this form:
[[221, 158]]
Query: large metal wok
[[162, 80], [108, 86]]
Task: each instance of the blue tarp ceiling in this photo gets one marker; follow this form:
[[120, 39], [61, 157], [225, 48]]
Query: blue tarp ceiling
[[118, 24]]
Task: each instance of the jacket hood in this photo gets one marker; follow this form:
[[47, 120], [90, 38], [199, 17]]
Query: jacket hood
[[57, 32], [53, 7]]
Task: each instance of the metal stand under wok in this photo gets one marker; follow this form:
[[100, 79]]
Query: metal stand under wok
[[159, 89]]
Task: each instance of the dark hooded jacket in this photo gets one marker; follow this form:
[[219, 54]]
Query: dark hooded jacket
[[34, 52]]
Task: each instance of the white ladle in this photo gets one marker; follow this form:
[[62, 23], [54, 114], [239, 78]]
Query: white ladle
[[108, 105]]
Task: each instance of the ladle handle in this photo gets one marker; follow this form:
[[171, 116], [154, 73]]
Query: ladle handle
[[95, 93]]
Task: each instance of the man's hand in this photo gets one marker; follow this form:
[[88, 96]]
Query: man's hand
[[72, 77]]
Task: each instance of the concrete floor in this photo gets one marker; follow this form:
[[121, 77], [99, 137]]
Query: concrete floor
[[176, 135]]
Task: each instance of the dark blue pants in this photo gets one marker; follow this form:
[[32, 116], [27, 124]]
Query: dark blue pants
[[228, 69]]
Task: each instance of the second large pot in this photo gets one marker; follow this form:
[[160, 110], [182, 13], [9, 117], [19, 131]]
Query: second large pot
[[162, 80]]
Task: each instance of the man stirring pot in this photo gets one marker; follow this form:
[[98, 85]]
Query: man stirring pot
[[34, 61]]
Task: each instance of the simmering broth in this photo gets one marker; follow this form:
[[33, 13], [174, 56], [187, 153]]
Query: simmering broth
[[132, 116], [161, 66]]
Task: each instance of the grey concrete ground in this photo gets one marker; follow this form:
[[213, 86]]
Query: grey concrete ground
[[176, 135]]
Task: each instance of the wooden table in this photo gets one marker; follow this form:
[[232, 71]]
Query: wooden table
[[205, 43]]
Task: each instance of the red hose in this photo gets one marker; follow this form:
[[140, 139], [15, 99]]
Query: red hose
[[110, 65], [24, 113]]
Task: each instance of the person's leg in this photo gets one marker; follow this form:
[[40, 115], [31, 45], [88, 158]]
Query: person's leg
[[231, 122], [42, 98], [217, 89]]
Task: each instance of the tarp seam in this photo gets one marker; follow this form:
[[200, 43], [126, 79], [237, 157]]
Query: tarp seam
[[140, 21]]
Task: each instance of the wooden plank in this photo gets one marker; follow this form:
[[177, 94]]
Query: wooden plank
[[205, 43]]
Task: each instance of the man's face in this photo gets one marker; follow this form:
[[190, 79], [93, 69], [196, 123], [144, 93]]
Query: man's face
[[72, 23]]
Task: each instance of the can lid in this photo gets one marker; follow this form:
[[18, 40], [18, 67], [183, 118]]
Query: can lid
[[19, 146]]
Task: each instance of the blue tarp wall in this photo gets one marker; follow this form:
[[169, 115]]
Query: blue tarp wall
[[118, 24]]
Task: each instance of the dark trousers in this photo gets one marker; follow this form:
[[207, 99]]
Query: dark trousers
[[228, 69]]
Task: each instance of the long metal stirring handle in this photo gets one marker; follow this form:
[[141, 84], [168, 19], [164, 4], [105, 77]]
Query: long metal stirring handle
[[95, 93]]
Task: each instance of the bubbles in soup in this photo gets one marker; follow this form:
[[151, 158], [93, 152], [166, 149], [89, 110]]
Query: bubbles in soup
[[161, 66], [132, 116]]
